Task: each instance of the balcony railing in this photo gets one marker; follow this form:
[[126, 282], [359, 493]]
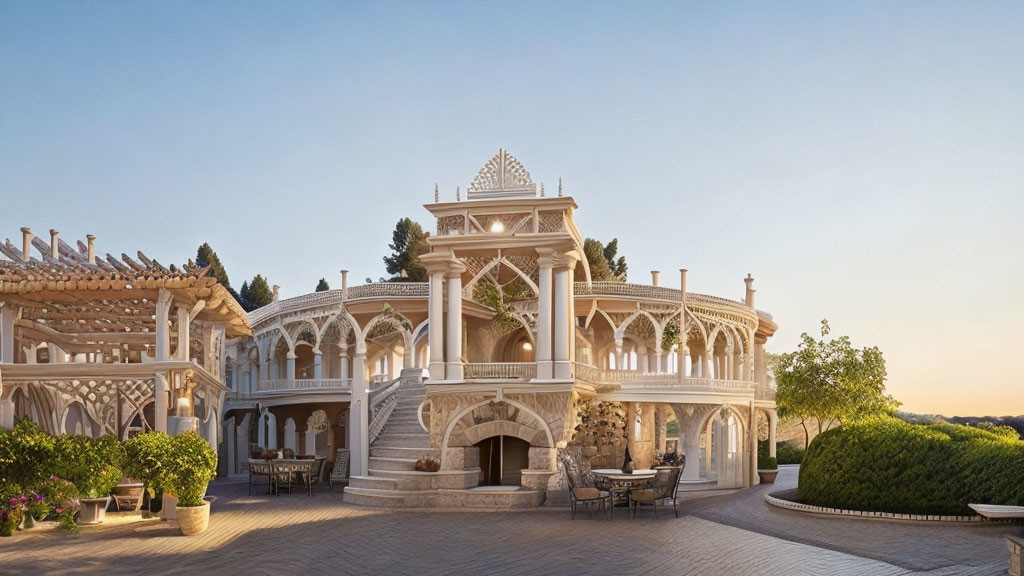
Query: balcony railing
[[500, 370], [304, 384]]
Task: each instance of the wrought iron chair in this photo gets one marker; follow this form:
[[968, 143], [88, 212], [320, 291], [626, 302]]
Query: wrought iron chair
[[584, 487], [259, 468], [339, 474], [664, 487]]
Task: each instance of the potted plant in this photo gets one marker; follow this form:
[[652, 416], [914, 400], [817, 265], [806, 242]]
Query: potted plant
[[145, 458], [428, 463], [191, 466], [767, 466], [92, 465], [61, 499]]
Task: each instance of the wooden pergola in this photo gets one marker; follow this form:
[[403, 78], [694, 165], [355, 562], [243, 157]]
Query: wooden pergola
[[76, 327]]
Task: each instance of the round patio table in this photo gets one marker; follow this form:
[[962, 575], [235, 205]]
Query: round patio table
[[623, 483]]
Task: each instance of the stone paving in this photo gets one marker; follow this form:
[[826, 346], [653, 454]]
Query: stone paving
[[722, 534]]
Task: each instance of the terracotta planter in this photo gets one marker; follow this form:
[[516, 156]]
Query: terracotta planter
[[193, 519], [92, 510], [767, 476]]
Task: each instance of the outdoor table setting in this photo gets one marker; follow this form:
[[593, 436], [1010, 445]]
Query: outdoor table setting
[[623, 482], [302, 468]]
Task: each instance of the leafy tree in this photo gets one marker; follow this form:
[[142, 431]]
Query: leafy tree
[[409, 241], [604, 266], [322, 286], [831, 381], [256, 294]]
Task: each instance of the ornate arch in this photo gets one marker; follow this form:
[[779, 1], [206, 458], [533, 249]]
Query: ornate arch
[[453, 422]]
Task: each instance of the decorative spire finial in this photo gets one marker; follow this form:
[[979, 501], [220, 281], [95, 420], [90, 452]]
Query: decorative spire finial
[[437, 194], [458, 194], [559, 186], [541, 189]]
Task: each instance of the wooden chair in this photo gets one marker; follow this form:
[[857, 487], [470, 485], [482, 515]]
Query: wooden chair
[[339, 474], [665, 486]]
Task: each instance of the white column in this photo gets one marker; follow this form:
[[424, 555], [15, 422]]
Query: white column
[[618, 356], [752, 477], [309, 449], [658, 367], [773, 424], [290, 374], [453, 367], [543, 352], [706, 358], [389, 364], [183, 334], [728, 366], [641, 360], [8, 313], [561, 324], [358, 417], [318, 365], [343, 359], [163, 352], [435, 325], [683, 332]]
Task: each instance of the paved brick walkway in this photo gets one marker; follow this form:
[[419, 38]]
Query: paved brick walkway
[[299, 535]]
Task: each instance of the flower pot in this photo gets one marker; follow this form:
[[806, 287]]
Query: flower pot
[[193, 519], [169, 506], [92, 510], [767, 476]]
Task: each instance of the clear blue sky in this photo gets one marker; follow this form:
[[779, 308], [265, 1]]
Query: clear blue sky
[[862, 160]]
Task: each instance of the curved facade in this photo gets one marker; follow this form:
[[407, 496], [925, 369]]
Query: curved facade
[[512, 343]]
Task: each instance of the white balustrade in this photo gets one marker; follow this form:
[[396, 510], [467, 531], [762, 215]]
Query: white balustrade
[[500, 370], [304, 384]]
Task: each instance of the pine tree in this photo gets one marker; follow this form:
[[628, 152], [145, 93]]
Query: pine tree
[[408, 243], [259, 293], [322, 286], [205, 256]]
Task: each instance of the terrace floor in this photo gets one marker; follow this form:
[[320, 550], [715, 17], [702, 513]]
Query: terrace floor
[[718, 533]]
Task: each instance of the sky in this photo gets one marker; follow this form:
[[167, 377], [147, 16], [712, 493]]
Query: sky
[[862, 160]]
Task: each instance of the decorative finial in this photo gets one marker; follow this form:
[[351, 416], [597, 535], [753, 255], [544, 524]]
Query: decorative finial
[[437, 194], [559, 186], [458, 194], [541, 189]]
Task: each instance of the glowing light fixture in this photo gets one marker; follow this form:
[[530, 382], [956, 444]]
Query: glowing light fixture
[[527, 346], [497, 226]]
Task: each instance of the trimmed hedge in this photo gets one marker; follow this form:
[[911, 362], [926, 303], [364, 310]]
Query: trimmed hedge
[[887, 465]]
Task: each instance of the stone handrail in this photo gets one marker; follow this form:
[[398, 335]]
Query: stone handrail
[[382, 404], [500, 370]]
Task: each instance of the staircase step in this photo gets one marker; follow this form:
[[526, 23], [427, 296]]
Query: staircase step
[[391, 498], [421, 440], [397, 452], [383, 463], [373, 482], [443, 498], [404, 428]]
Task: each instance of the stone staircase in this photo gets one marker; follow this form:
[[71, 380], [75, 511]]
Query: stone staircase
[[393, 483]]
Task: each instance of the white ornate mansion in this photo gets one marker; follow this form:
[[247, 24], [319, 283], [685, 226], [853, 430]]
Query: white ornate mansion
[[507, 355]]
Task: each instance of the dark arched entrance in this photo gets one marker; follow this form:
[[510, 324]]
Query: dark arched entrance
[[502, 460]]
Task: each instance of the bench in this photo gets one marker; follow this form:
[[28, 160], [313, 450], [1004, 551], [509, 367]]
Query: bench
[[994, 511]]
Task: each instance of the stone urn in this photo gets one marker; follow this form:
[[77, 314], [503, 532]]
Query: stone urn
[[168, 507], [767, 476], [128, 495], [92, 510], [193, 520]]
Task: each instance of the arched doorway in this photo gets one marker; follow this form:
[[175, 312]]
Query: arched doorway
[[502, 460]]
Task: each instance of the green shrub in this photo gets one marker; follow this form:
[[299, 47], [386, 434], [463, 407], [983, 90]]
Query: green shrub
[[191, 466], [789, 453], [764, 461], [26, 454], [888, 465], [145, 459], [91, 464]]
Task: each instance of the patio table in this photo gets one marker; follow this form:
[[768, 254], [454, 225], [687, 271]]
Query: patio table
[[301, 467], [623, 483]]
